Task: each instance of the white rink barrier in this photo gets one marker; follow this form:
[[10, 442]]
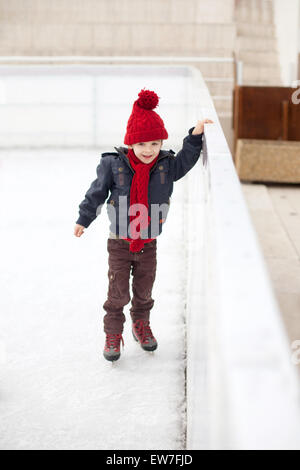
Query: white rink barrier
[[87, 105], [242, 384]]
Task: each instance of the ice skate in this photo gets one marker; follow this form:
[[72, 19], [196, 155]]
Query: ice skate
[[142, 333], [111, 350]]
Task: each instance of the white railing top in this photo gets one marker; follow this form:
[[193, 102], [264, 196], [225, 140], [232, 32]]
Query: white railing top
[[125, 59]]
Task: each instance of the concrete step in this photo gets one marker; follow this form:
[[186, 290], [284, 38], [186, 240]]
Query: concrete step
[[220, 88], [214, 11], [256, 43], [158, 39], [223, 105], [255, 29], [215, 69], [259, 57], [116, 12], [115, 39], [254, 11], [253, 43], [213, 35], [265, 82], [254, 73]]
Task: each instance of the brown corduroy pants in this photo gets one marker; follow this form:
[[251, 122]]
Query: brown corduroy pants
[[122, 263]]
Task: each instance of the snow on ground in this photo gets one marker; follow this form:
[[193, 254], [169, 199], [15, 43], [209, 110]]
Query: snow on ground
[[56, 389]]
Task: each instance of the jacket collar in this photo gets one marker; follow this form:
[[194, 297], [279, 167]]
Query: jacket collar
[[122, 151]]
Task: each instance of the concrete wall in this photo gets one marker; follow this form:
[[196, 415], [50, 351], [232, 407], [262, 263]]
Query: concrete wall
[[286, 17], [117, 27], [127, 28]]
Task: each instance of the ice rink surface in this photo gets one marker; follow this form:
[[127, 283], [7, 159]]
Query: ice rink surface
[[56, 389]]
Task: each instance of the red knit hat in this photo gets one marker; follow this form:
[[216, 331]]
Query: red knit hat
[[145, 124]]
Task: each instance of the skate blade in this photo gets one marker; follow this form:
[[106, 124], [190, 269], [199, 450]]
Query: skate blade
[[114, 364], [151, 352], [112, 361]]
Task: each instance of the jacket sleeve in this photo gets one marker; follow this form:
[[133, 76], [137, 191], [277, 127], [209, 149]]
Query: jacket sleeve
[[96, 195], [188, 156]]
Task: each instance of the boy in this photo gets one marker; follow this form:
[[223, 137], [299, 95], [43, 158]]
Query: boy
[[137, 178]]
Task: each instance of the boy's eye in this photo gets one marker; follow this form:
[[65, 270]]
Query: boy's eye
[[154, 143]]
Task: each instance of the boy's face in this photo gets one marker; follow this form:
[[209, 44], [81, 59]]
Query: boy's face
[[147, 151]]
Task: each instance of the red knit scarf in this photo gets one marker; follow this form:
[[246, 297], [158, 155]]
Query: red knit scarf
[[139, 195]]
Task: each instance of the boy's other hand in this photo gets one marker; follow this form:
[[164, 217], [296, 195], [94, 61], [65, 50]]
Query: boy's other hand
[[199, 128], [78, 230]]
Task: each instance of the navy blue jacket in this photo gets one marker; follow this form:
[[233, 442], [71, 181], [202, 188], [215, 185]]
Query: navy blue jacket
[[114, 177]]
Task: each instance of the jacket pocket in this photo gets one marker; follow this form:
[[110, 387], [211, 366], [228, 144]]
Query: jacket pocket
[[121, 179], [161, 172], [121, 174]]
